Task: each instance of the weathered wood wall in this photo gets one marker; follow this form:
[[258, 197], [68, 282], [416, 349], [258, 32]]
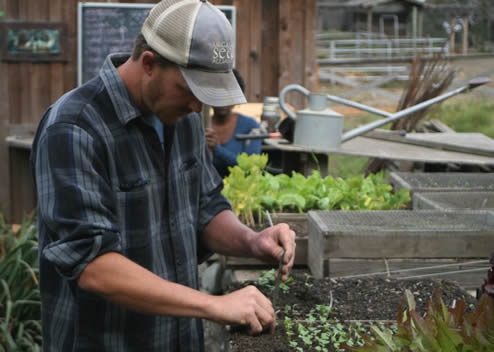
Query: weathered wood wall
[[275, 47]]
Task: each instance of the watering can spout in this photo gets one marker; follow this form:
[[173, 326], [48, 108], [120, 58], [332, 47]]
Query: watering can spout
[[477, 82]]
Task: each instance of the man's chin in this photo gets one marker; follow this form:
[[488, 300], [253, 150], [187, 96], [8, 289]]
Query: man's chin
[[172, 119]]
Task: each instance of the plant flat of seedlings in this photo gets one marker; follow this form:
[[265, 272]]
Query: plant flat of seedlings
[[306, 323]]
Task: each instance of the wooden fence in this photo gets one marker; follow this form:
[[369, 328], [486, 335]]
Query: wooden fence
[[275, 47]]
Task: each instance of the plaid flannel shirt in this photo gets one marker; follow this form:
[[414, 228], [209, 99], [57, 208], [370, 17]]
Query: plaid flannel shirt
[[104, 184]]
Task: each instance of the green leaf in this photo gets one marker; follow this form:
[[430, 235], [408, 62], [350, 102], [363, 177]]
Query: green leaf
[[385, 337], [292, 199]]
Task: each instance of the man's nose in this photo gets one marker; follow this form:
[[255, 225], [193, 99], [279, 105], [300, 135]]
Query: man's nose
[[195, 105]]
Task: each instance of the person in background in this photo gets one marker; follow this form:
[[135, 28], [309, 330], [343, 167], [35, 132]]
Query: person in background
[[129, 202], [221, 136]]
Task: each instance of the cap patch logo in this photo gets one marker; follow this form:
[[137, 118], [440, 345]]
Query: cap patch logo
[[222, 53]]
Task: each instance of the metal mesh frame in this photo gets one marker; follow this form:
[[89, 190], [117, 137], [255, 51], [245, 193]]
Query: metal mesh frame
[[442, 181], [454, 200], [363, 222]]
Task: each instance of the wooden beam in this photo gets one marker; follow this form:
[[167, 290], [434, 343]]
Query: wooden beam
[[255, 51], [351, 83], [310, 78], [429, 144], [452, 36], [465, 35], [369, 20], [421, 23], [370, 86]]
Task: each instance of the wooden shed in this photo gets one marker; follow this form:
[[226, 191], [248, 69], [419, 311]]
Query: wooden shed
[[385, 17], [275, 47]]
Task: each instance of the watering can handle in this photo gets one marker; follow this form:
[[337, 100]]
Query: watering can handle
[[285, 90]]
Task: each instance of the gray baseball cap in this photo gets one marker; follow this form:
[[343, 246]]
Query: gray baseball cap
[[198, 37]]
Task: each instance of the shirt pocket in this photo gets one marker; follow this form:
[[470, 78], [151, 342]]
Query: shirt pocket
[[135, 212], [190, 189]]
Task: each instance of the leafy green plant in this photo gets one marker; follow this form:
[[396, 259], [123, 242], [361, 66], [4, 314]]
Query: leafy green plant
[[245, 186], [318, 332], [251, 191], [442, 328], [20, 326]]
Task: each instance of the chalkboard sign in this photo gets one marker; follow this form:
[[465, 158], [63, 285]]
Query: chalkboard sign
[[106, 28]]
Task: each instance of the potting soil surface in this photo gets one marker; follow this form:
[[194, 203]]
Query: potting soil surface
[[370, 298]]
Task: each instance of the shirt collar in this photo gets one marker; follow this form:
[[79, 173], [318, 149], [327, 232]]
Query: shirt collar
[[122, 102]]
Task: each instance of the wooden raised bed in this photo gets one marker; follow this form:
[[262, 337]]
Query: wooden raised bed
[[358, 242]]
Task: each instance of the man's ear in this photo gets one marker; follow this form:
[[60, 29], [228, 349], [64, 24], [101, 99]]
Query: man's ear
[[147, 62]]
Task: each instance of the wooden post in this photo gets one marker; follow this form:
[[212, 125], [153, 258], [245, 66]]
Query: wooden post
[[414, 22], [206, 115], [369, 20], [465, 35], [452, 37], [488, 28], [421, 23]]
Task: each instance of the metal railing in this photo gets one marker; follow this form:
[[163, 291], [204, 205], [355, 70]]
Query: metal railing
[[379, 48]]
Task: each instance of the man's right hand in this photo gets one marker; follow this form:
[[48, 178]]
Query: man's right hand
[[247, 306]]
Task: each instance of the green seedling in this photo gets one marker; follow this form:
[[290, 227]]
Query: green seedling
[[318, 331], [268, 278]]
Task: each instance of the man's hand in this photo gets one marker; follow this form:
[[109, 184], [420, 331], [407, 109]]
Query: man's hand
[[269, 244], [211, 138], [247, 306], [226, 235]]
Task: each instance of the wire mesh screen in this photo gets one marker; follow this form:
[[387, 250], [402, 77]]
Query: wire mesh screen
[[331, 222], [442, 181], [454, 200]]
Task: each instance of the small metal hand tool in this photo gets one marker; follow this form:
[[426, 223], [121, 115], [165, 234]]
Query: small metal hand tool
[[276, 290]]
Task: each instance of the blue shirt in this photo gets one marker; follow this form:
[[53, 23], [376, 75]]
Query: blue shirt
[[105, 184], [225, 155]]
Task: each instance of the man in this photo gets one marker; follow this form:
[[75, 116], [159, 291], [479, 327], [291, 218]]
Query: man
[[129, 202]]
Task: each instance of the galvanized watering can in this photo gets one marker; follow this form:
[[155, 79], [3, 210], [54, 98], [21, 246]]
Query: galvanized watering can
[[320, 127]]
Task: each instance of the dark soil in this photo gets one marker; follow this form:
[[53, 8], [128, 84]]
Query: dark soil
[[375, 299]]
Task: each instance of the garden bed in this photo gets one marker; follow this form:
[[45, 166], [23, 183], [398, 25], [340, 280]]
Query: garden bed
[[357, 303], [406, 239], [442, 181], [397, 263]]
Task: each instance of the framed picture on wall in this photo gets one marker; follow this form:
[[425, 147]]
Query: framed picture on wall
[[33, 41]]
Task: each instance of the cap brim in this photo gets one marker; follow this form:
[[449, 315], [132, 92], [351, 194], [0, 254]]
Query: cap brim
[[214, 88]]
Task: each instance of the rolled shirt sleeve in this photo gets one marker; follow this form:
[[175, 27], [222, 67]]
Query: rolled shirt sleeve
[[75, 199]]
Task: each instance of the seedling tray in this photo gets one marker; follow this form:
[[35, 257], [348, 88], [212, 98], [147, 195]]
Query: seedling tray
[[397, 234], [442, 181], [454, 200]]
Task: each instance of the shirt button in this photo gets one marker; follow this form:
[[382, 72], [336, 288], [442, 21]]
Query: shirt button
[[180, 261]]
